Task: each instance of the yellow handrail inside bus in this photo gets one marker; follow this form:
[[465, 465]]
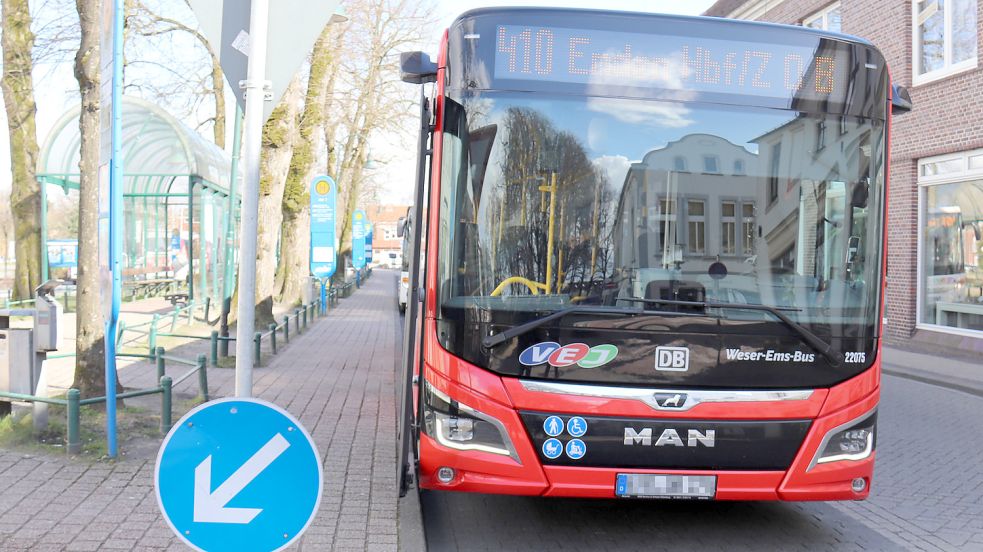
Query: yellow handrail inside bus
[[533, 286]]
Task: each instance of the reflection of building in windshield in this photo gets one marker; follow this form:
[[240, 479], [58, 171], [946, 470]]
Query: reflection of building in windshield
[[686, 206]]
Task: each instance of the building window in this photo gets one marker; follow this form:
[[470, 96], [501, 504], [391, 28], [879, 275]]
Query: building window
[[776, 156], [739, 169], [827, 19], [710, 164], [679, 163], [728, 228], [666, 219], [696, 226], [950, 245], [944, 36], [747, 228]]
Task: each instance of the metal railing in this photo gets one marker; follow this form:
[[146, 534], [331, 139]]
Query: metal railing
[[73, 402]]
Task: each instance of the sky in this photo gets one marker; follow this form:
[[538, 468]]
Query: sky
[[55, 88]]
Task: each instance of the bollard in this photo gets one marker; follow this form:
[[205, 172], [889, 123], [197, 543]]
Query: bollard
[[160, 363], [208, 306], [257, 343], [152, 339], [202, 376], [273, 337], [213, 347], [286, 329], [165, 405], [74, 440], [305, 316]]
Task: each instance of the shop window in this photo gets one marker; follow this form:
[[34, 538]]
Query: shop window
[[951, 248]]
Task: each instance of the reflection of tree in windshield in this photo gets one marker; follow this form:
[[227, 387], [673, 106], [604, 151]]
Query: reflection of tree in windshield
[[535, 157]]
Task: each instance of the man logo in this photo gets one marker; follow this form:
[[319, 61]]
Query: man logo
[[672, 359], [670, 400]]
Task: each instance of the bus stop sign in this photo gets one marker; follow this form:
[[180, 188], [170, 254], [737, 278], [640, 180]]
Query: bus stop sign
[[324, 196], [238, 474], [358, 238]]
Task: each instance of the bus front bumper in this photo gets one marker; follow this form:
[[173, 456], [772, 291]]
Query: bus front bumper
[[526, 472]]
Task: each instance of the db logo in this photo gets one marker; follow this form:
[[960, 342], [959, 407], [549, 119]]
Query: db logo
[[672, 359], [576, 353]]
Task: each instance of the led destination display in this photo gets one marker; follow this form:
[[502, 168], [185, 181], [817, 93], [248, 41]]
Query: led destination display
[[609, 58]]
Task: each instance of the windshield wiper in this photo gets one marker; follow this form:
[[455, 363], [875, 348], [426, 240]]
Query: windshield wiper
[[515, 331], [807, 336]]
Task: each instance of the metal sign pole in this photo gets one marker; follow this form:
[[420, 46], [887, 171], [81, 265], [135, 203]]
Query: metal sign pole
[[255, 88], [115, 225]]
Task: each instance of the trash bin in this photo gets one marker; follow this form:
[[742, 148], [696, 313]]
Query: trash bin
[[18, 373]]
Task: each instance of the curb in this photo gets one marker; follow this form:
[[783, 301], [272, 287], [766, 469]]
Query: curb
[[956, 384], [411, 536]]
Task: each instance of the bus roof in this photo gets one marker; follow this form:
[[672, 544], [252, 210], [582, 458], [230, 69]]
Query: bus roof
[[743, 23]]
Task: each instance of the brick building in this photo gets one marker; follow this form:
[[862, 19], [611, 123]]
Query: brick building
[[387, 248], [935, 215]]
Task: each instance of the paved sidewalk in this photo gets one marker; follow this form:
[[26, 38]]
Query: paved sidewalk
[[954, 373], [337, 378]]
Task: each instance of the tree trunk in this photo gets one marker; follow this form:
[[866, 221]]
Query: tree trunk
[[279, 136], [217, 92], [293, 271], [90, 346], [25, 192]]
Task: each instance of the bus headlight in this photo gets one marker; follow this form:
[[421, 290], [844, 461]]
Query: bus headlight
[[853, 440], [458, 426]]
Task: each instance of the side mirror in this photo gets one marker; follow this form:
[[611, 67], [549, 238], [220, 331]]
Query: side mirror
[[900, 99], [400, 226], [417, 68]]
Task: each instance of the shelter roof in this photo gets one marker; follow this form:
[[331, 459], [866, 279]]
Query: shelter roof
[[160, 153]]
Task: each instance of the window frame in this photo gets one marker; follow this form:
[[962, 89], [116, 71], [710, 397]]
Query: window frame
[[965, 174], [948, 68], [823, 14]]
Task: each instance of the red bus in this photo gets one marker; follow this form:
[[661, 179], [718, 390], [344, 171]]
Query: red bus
[[653, 258]]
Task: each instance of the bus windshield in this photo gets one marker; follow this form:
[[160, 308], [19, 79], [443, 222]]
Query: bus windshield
[[549, 201]]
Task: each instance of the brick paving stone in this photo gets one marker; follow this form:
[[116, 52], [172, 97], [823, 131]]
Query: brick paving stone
[[336, 377]]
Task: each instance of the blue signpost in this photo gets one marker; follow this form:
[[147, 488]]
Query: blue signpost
[[358, 244], [368, 241], [324, 196], [110, 236], [238, 474]]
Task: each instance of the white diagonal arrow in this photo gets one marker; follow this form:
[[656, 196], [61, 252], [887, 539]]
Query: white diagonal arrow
[[209, 507]]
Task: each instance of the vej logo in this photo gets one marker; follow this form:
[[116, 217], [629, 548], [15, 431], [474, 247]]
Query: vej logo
[[672, 359], [575, 353]]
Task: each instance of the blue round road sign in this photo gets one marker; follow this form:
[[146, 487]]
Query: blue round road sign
[[237, 474]]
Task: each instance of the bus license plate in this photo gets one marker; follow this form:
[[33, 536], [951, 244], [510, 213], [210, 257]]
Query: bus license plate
[[654, 485]]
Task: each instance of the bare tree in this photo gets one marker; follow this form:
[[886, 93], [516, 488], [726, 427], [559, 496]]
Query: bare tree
[[292, 271], [90, 341], [279, 137], [147, 21], [18, 95], [371, 98]]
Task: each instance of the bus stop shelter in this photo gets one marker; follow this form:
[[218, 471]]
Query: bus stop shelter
[[177, 212]]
